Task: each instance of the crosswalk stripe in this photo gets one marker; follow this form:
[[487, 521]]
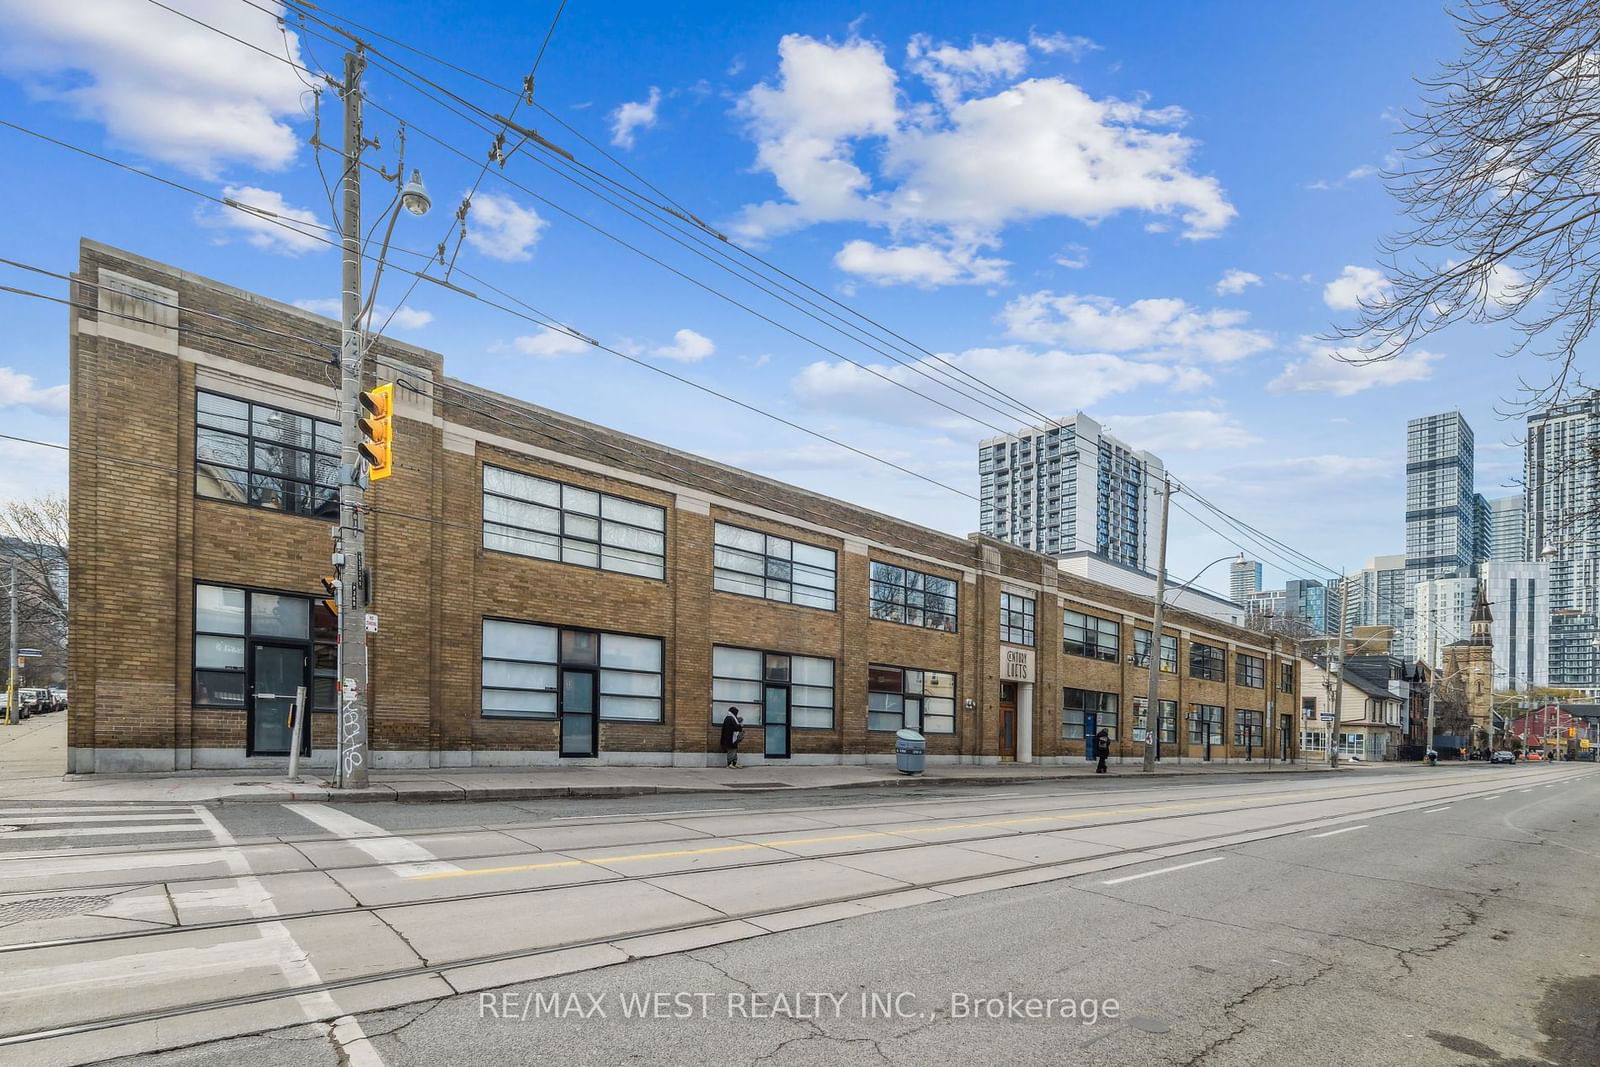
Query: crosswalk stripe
[[96, 810], [404, 856], [35, 820], [102, 831]]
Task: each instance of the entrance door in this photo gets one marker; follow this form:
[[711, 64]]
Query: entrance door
[[1008, 720], [775, 723], [1285, 725], [579, 737], [275, 672], [1091, 727]]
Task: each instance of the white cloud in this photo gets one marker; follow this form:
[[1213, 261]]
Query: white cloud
[[546, 344], [953, 73], [963, 169], [686, 347], [17, 390], [406, 318], [1177, 431], [1329, 369], [927, 265], [1236, 281], [1159, 328], [1050, 380], [272, 227], [1073, 257], [503, 229], [1366, 170], [1354, 287], [1074, 48], [632, 116], [159, 84], [29, 471]]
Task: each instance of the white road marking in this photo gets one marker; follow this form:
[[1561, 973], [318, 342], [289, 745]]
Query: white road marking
[[1163, 870], [104, 831], [403, 856], [294, 961], [34, 820], [1435, 811], [1492, 796], [1525, 790], [94, 810], [1343, 830]]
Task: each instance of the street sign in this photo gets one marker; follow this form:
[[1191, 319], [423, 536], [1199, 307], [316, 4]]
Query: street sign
[[372, 623], [29, 653], [1327, 716]]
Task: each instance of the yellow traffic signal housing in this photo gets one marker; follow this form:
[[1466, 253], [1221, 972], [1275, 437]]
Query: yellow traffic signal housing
[[331, 587], [377, 431]]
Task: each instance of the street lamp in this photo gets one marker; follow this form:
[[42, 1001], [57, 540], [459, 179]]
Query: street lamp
[[414, 195]]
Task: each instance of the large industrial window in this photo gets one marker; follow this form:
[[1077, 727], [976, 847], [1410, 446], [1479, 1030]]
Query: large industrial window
[[1076, 702], [550, 520], [1207, 661], [265, 457], [1286, 682], [1169, 720], [1086, 635], [1169, 651], [899, 594], [752, 563], [901, 697], [522, 664], [227, 618], [1248, 731], [740, 677], [1250, 671], [1205, 723], [1016, 619]]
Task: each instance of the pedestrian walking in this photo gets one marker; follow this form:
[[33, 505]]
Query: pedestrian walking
[[1102, 746], [732, 734]]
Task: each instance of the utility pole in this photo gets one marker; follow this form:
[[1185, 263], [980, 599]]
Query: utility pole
[[350, 552], [12, 710], [1152, 709], [1338, 692]]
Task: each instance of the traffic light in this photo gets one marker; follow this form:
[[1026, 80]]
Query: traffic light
[[377, 431], [330, 586]]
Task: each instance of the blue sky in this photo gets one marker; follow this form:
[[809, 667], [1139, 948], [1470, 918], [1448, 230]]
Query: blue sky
[[1140, 210]]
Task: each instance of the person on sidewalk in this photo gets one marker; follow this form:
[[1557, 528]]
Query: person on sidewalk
[[1102, 747], [732, 734]]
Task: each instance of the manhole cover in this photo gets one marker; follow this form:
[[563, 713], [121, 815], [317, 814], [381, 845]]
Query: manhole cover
[[49, 907], [758, 785], [7, 828]]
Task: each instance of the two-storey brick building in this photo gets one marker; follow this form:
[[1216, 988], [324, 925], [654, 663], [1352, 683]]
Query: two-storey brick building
[[549, 590]]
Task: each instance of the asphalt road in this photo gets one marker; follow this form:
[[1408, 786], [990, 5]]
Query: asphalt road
[[1460, 929]]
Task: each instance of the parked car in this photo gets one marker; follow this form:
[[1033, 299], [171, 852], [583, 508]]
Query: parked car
[[1505, 755], [58, 697]]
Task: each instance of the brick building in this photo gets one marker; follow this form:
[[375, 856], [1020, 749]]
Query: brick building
[[550, 590]]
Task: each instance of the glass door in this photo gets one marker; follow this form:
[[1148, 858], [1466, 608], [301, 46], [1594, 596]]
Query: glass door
[[579, 736], [276, 671], [775, 720]]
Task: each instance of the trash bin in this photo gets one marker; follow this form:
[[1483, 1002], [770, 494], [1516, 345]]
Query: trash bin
[[910, 752]]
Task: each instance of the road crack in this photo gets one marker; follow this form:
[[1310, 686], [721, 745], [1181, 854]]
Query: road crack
[[1231, 1010]]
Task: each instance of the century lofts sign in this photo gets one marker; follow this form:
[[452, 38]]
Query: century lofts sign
[[1016, 664]]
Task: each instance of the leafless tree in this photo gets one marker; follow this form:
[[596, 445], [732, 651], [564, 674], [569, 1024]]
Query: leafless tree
[[1501, 182], [33, 535]]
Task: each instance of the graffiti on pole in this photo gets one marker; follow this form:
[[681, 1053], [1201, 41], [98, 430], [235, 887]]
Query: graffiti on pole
[[350, 727]]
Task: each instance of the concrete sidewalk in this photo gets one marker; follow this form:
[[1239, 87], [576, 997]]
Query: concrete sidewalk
[[33, 755]]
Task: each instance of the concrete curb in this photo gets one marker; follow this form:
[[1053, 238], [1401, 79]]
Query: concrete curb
[[457, 794]]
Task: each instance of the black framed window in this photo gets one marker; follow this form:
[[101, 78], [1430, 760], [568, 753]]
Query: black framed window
[[227, 617], [1248, 728], [1205, 722], [265, 457], [1250, 671], [1208, 662], [522, 665], [1016, 619], [739, 677], [900, 594], [1286, 680], [1086, 635], [907, 698], [1169, 651], [752, 563], [1076, 702], [1169, 720], [551, 520]]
